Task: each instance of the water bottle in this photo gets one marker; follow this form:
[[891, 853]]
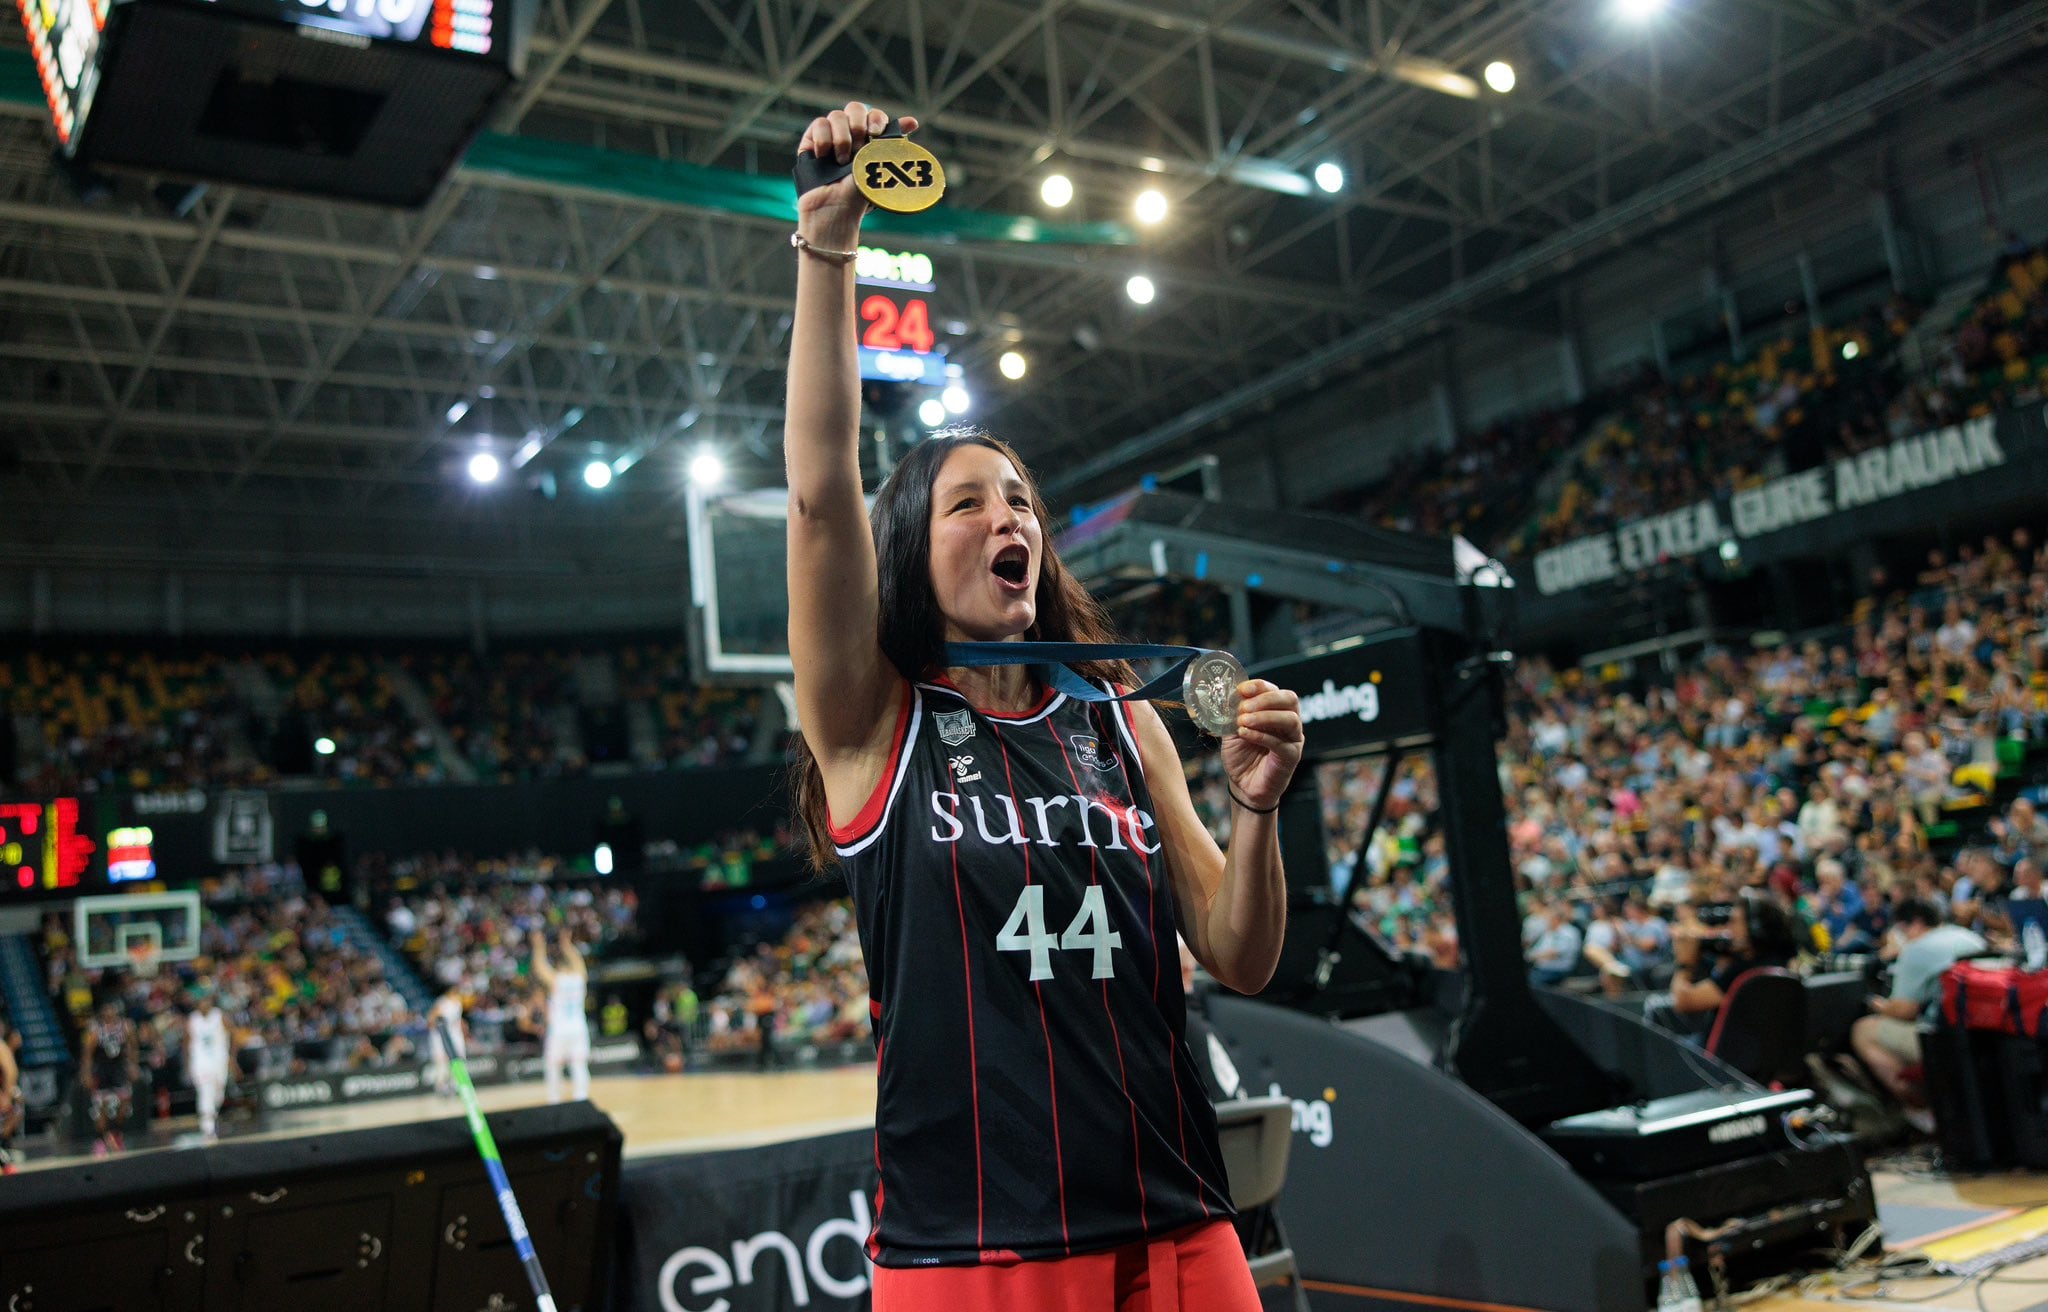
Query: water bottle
[[1676, 1292], [2035, 943]]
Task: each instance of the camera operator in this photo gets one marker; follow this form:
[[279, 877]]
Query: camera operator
[[1709, 957]]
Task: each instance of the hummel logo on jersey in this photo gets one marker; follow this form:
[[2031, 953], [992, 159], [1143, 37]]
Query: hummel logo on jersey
[[955, 727], [963, 768], [1089, 748]]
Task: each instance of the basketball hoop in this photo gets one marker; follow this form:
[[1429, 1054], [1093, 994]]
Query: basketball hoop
[[142, 959]]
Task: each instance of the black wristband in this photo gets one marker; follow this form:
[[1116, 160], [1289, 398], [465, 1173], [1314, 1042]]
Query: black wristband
[[1255, 810]]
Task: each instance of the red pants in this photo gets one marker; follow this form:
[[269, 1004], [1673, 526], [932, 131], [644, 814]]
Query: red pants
[[1199, 1269]]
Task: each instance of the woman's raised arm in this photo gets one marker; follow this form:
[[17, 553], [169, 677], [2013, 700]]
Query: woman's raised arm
[[845, 687]]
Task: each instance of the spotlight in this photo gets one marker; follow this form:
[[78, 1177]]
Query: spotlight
[[601, 859], [1056, 190], [707, 470], [1139, 289], [324, 746], [1850, 350], [598, 475], [1150, 206], [1329, 177], [955, 399], [483, 467], [1500, 75], [1731, 551], [931, 412], [1012, 364], [1637, 11]]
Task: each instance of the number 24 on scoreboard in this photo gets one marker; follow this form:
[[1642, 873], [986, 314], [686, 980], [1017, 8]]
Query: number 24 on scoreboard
[[893, 327]]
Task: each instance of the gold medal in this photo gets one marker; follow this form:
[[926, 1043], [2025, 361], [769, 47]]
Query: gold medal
[[897, 174]]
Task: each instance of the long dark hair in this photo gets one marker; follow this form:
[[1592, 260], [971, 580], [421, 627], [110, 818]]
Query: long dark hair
[[910, 625]]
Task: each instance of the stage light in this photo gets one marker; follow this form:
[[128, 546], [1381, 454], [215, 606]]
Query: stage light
[[483, 467], [601, 859], [1637, 11], [1329, 177], [1056, 190], [1012, 364], [955, 399], [324, 746], [598, 475], [1731, 551], [457, 411], [1139, 289], [1500, 75], [1850, 350], [1150, 206], [931, 412], [707, 469]]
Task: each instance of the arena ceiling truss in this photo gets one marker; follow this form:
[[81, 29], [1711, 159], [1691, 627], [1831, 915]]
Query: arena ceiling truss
[[240, 357]]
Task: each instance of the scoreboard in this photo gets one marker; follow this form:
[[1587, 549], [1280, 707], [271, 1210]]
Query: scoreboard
[[364, 99], [897, 344], [64, 40], [464, 25], [42, 850]]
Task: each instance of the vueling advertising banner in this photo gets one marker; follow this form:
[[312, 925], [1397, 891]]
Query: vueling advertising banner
[[1361, 695], [1863, 495]]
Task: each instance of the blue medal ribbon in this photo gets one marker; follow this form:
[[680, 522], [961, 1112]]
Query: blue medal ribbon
[[1048, 660]]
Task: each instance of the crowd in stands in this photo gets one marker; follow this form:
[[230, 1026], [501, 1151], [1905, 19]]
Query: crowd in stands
[[91, 719], [1840, 775], [503, 713], [1651, 444], [466, 923], [808, 990], [697, 724], [113, 719], [350, 702]]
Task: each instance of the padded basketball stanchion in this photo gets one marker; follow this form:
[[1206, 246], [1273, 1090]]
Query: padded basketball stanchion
[[487, 1148]]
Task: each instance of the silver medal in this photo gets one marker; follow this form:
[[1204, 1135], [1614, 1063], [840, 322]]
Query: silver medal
[[1209, 690]]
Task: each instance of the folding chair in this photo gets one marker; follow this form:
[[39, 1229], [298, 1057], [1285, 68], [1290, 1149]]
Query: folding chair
[[1255, 1135]]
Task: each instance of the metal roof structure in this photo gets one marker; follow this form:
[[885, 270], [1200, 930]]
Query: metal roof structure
[[247, 376]]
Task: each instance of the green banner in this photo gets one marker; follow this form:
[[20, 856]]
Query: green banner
[[693, 186]]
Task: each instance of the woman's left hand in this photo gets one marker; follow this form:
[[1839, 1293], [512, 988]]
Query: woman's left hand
[[1260, 757]]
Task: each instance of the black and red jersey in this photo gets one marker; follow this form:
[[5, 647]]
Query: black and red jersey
[[1036, 1095]]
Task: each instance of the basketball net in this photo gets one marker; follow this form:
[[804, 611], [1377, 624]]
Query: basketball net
[[142, 960]]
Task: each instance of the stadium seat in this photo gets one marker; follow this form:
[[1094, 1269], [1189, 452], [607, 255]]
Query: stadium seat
[[1760, 1029], [1255, 1135]]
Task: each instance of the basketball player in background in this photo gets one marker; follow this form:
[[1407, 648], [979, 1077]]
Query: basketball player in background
[[1018, 858], [447, 1008], [110, 1068], [206, 1059], [568, 1041], [11, 1109]]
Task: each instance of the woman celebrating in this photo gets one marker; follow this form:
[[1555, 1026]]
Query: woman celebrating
[[1019, 859]]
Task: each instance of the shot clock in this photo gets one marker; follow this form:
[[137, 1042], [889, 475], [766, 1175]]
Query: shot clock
[[897, 343]]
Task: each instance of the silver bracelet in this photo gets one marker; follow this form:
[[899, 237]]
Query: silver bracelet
[[796, 239]]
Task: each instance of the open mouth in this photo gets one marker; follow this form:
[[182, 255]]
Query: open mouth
[[1012, 565]]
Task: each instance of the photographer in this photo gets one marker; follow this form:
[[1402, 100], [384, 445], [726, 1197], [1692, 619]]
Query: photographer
[[1709, 957]]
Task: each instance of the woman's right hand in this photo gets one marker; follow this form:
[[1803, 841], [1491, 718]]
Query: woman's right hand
[[830, 215]]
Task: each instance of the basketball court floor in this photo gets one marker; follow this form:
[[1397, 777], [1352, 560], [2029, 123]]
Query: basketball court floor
[[1959, 1218]]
